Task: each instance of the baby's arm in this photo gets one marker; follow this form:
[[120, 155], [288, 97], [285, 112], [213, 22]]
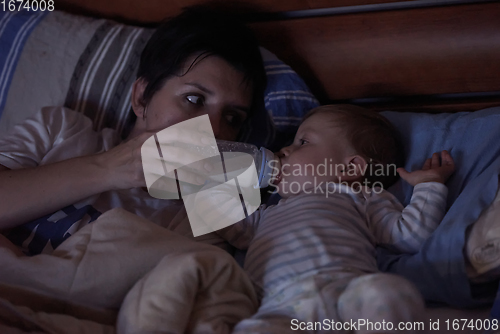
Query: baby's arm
[[406, 229], [432, 171]]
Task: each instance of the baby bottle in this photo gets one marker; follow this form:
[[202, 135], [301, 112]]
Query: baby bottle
[[266, 162]]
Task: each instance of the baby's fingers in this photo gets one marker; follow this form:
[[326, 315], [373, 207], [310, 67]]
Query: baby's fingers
[[404, 174], [435, 161], [402, 171], [446, 159], [427, 164], [448, 165]]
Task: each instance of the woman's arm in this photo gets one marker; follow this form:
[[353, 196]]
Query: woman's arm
[[30, 193], [34, 188]]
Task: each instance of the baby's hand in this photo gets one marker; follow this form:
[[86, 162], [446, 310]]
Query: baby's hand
[[432, 170]]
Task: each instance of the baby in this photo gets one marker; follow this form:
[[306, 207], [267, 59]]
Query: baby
[[311, 257]]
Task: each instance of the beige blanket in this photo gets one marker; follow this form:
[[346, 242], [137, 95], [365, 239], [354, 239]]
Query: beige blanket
[[124, 274]]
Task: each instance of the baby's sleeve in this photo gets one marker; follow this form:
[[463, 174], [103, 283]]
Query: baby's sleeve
[[407, 228]]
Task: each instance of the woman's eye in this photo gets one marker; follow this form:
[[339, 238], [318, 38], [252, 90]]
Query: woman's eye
[[234, 119], [195, 99], [302, 142]]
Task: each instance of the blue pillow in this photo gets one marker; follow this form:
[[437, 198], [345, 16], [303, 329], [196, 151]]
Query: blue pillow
[[286, 100], [473, 140]]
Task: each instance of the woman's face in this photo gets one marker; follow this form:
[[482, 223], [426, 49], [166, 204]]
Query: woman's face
[[212, 86]]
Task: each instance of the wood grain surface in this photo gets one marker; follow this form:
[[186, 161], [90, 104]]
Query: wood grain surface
[[396, 53], [153, 11]]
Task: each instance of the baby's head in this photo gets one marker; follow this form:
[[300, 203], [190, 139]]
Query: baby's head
[[340, 143]]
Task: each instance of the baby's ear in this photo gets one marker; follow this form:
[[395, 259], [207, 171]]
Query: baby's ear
[[355, 168]]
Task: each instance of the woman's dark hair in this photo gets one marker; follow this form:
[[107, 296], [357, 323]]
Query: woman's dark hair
[[204, 32]]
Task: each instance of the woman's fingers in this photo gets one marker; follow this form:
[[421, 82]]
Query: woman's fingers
[[137, 162], [197, 172], [178, 157], [185, 175], [169, 179], [173, 136]]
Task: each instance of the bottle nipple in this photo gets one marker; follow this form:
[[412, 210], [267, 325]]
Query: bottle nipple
[[270, 169]]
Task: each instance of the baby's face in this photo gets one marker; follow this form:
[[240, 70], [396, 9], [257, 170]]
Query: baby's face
[[319, 153]]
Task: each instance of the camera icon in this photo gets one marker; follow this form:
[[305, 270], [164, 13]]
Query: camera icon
[[183, 162]]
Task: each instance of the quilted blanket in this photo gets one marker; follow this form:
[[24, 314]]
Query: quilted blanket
[[124, 274]]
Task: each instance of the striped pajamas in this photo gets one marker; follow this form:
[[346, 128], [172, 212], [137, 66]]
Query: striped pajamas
[[308, 255]]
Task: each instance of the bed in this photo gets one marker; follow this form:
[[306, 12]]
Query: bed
[[425, 64]]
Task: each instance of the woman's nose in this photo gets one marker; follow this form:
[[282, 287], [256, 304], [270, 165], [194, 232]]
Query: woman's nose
[[215, 121], [220, 126]]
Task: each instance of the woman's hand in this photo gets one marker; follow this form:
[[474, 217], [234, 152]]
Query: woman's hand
[[180, 150], [188, 151], [433, 170], [122, 164]]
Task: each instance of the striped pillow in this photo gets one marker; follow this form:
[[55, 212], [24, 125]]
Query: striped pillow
[[89, 65], [101, 83], [15, 27]]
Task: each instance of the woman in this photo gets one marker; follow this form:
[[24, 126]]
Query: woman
[[200, 62]]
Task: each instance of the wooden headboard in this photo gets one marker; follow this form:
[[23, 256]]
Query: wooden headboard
[[410, 55]]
